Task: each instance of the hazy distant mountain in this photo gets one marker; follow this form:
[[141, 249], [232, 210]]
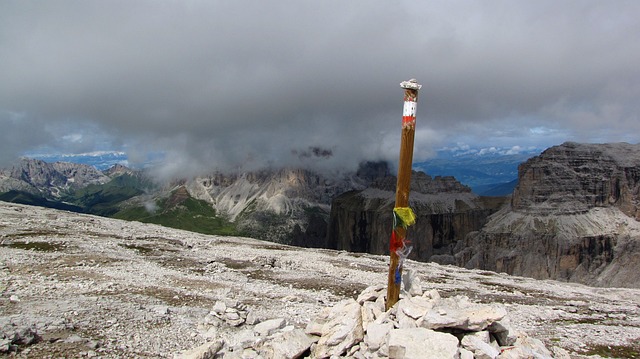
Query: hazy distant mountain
[[101, 160], [489, 171]]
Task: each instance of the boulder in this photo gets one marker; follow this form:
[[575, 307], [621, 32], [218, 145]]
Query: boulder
[[478, 344], [342, 331], [422, 343], [267, 327], [205, 351], [377, 335], [287, 345]]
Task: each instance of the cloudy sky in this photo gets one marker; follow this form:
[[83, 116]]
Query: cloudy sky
[[219, 84]]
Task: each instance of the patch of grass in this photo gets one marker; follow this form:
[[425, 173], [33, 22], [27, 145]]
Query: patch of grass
[[237, 263], [31, 199], [36, 246], [38, 233], [614, 351], [138, 248]]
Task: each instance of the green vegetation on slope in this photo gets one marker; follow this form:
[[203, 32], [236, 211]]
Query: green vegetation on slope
[[35, 200], [191, 215], [103, 199], [179, 210]]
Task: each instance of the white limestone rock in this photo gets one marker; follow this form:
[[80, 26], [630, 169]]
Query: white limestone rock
[[342, 331], [268, 327], [479, 344], [287, 345], [465, 354], [205, 351], [422, 343], [414, 309], [377, 335], [370, 294], [219, 308], [457, 312], [527, 347]]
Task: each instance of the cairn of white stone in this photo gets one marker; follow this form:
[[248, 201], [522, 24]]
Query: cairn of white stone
[[419, 326]]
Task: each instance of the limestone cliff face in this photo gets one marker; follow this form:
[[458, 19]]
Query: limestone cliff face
[[573, 178], [573, 216], [362, 221]]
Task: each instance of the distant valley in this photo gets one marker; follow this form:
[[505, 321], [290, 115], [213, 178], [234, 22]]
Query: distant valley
[[489, 172]]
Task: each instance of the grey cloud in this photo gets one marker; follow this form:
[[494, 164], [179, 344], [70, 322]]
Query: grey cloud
[[219, 84]]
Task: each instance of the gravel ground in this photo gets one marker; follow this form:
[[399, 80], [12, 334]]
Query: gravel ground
[[98, 287]]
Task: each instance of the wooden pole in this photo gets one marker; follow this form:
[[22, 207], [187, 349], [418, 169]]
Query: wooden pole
[[405, 162]]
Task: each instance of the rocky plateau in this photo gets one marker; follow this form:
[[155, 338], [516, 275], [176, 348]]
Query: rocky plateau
[[76, 286]]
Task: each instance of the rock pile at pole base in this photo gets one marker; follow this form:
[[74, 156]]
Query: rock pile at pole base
[[420, 325]]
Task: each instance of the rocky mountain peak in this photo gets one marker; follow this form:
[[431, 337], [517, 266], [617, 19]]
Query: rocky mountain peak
[[573, 178], [117, 170], [79, 175], [372, 170], [36, 173], [573, 216], [50, 179]]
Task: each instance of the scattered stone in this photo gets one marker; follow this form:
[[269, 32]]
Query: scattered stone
[[503, 332], [5, 345], [252, 318], [459, 313], [162, 310], [220, 307]]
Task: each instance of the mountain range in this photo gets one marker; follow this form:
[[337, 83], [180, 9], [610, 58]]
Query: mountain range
[[489, 171], [572, 215]]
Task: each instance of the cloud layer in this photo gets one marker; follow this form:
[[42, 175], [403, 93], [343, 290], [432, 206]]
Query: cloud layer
[[228, 84]]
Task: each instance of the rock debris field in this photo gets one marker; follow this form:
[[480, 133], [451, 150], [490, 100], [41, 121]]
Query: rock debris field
[[75, 286]]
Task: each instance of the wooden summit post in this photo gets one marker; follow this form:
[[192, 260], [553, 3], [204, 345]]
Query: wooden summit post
[[398, 237]]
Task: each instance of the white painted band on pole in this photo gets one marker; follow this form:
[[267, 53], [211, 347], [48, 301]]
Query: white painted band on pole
[[409, 109]]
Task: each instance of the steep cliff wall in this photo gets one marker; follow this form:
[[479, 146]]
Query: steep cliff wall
[[362, 221], [573, 216], [572, 178]]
